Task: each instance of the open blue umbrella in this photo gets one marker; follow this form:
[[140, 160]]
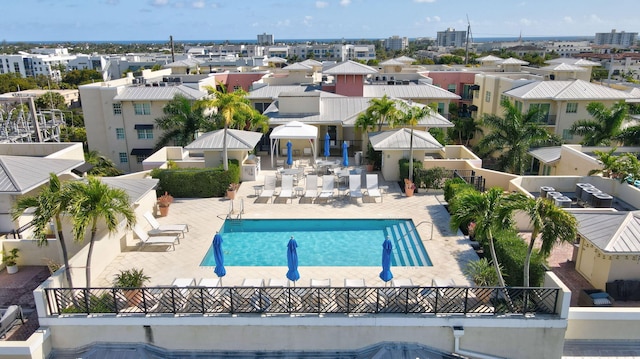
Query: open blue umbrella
[[327, 138], [292, 260], [289, 153], [345, 154], [387, 247], [218, 256]]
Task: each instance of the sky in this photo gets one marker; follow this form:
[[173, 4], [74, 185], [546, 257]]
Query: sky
[[134, 20]]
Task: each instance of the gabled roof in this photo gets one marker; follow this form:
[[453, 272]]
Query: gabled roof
[[513, 61], [192, 62], [562, 67], [392, 62], [236, 140], [405, 59], [489, 58], [157, 93], [349, 68], [547, 155], [311, 62], [298, 67], [424, 91], [614, 232], [21, 174], [567, 90], [572, 61], [276, 60], [400, 139], [136, 188], [273, 91]]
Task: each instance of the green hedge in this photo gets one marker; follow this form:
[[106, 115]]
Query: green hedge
[[197, 182], [404, 168], [512, 251], [453, 186]]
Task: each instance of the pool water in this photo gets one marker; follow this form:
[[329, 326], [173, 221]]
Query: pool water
[[321, 242]]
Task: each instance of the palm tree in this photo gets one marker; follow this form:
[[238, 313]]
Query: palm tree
[[605, 125], [92, 202], [231, 107], [383, 110], [513, 135], [365, 122], [181, 121], [552, 223], [411, 116], [489, 214], [49, 204], [102, 166]]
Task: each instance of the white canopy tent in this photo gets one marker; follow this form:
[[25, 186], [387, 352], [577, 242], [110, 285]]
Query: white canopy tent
[[294, 130]]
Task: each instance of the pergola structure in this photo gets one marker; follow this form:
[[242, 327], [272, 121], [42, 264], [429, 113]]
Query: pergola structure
[[293, 130]]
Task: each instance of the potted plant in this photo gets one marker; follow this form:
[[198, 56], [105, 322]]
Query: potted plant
[[163, 203], [409, 187], [232, 189], [9, 260], [131, 280]]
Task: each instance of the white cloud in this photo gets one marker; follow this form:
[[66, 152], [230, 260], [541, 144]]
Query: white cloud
[[526, 22], [159, 3], [199, 4], [283, 23], [345, 2], [433, 18], [595, 18], [308, 21], [321, 4], [255, 24], [424, 1], [568, 19], [179, 4]]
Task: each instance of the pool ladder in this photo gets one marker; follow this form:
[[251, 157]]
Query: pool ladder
[[232, 214]]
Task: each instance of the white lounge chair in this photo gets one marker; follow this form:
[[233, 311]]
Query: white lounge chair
[[356, 292], [287, 187], [355, 186], [269, 188], [327, 187], [372, 186], [160, 229], [9, 317], [311, 187], [321, 283], [147, 239]]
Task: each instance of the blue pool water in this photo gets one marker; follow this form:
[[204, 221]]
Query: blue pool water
[[321, 242]]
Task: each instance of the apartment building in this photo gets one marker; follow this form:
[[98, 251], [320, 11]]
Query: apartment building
[[616, 39], [451, 38], [396, 43], [265, 39]]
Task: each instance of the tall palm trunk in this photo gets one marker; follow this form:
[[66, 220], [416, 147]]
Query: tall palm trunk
[[494, 259], [94, 230], [65, 255], [411, 156], [527, 259], [225, 160]]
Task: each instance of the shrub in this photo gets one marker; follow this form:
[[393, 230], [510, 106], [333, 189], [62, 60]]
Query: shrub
[[451, 186], [404, 168], [511, 251], [104, 303], [429, 178], [197, 182]]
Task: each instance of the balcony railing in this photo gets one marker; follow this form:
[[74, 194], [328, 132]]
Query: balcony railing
[[307, 300]]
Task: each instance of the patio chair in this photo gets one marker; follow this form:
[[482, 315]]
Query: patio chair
[[287, 188], [269, 188], [311, 187], [372, 186], [9, 317], [327, 188], [160, 229], [355, 186], [183, 297], [250, 298], [214, 298], [147, 239], [354, 293]]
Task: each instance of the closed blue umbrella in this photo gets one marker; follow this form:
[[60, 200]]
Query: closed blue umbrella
[[289, 153], [218, 256], [387, 247], [327, 138], [345, 155], [292, 260]]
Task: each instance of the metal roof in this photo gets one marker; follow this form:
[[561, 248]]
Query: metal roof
[[158, 93], [405, 59], [136, 188], [572, 61], [236, 140], [273, 91], [489, 58], [512, 61], [567, 90], [614, 232], [311, 62], [297, 67], [349, 68], [547, 154], [562, 67], [400, 139], [392, 62], [412, 91], [21, 174]]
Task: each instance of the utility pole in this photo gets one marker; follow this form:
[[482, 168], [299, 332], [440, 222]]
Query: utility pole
[[173, 56]]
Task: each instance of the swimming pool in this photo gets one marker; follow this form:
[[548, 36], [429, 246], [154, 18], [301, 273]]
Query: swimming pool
[[321, 242]]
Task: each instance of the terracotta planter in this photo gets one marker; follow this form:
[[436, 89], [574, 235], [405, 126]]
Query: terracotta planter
[[408, 192], [370, 167], [231, 194], [134, 297], [164, 210]]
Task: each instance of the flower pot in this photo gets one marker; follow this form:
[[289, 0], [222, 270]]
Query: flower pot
[[164, 210], [408, 192], [370, 167], [231, 194], [12, 269], [134, 297]]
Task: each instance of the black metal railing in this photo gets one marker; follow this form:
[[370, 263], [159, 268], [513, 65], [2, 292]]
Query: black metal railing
[[470, 177], [290, 300]]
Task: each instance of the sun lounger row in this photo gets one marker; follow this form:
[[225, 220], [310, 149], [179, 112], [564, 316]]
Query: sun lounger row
[[311, 187]]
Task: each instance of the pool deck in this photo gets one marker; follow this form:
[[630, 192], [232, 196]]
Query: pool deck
[[448, 250]]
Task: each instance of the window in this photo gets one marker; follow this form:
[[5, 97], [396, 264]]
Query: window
[[145, 134], [120, 133], [142, 108], [117, 109], [452, 88], [441, 108], [518, 106], [503, 98], [140, 158], [487, 96], [567, 135], [237, 87], [572, 107], [123, 157]]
